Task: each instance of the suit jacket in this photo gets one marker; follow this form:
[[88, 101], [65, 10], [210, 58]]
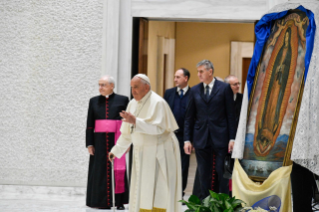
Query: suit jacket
[[212, 119], [169, 96]]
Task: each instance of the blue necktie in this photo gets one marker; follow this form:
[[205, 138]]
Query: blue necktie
[[182, 94], [207, 92]]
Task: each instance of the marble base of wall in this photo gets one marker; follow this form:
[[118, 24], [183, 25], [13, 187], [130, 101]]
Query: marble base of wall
[[22, 189]]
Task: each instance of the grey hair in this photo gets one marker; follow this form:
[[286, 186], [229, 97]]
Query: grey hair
[[207, 63], [228, 78], [109, 79]]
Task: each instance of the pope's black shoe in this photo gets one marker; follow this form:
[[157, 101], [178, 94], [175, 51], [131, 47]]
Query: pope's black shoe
[[107, 208]]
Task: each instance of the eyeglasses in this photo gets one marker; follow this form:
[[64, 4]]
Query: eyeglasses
[[102, 85], [235, 84]]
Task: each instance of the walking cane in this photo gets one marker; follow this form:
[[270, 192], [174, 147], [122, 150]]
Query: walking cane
[[113, 191]]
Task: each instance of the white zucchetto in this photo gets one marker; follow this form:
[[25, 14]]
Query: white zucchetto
[[143, 77]]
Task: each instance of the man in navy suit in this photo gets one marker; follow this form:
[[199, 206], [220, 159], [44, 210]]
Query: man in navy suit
[[210, 126], [177, 99]]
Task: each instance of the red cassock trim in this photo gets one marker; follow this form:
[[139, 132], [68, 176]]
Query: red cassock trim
[[107, 153], [213, 174]]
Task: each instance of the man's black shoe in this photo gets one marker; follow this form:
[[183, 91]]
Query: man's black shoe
[[121, 207]]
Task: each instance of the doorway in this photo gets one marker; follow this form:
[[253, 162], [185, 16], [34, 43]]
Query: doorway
[[183, 45]]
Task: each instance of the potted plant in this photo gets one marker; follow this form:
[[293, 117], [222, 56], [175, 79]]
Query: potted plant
[[213, 203]]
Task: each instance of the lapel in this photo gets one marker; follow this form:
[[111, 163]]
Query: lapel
[[172, 98], [215, 90], [201, 91]]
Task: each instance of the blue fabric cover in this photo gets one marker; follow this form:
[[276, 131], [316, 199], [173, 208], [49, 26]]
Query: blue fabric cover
[[263, 30], [273, 201]]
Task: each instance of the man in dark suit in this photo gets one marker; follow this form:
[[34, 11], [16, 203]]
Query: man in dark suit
[[177, 99], [210, 126], [100, 139], [238, 97]]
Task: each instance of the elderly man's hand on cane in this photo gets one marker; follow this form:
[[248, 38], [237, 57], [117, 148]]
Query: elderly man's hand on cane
[[111, 156]]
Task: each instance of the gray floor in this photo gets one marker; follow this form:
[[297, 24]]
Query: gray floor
[[44, 199], [16, 202]]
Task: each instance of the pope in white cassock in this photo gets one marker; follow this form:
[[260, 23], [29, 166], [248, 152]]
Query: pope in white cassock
[[149, 124]]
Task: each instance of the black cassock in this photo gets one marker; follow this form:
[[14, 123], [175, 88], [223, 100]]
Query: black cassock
[[99, 187]]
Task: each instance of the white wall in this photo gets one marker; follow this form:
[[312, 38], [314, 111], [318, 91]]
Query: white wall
[[203, 10], [50, 61]]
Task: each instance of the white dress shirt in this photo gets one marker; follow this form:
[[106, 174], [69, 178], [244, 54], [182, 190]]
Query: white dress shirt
[[184, 89], [210, 85]]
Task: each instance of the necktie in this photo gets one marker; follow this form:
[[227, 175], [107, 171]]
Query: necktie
[[182, 94], [207, 92]]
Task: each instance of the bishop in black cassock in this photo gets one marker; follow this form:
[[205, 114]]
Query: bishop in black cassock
[[107, 106]]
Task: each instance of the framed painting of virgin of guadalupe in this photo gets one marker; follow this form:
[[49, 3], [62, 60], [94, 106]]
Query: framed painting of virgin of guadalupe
[[275, 97]]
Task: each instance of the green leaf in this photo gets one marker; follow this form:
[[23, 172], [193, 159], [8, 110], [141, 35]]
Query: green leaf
[[238, 209], [182, 201], [232, 199], [213, 200], [194, 199], [206, 201], [228, 210], [192, 206], [214, 195], [214, 208], [220, 203], [204, 209], [223, 196], [228, 205], [190, 210], [237, 203]]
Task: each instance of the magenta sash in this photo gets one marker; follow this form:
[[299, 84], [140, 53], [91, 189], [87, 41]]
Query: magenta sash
[[113, 126]]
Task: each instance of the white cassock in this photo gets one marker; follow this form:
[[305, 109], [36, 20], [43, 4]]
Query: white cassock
[[156, 171]]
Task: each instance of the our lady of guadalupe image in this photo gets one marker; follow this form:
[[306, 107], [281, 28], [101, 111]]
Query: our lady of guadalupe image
[[275, 95]]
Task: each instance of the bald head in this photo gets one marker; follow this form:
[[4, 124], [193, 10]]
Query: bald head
[[234, 83], [140, 87]]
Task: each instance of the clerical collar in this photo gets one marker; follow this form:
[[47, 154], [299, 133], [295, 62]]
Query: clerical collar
[[184, 89], [211, 84], [107, 96], [145, 97]]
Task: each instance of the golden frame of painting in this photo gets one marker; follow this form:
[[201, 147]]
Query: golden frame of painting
[[275, 98]]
